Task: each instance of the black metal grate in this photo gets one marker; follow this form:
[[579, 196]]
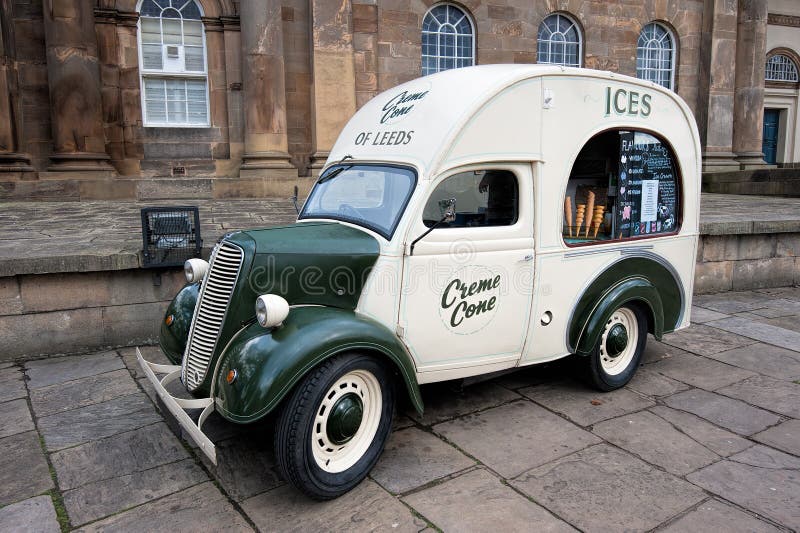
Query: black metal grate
[[170, 235]]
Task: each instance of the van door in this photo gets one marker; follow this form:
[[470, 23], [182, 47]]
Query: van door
[[467, 287]]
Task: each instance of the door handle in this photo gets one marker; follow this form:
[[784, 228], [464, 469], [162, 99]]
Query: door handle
[[527, 258]]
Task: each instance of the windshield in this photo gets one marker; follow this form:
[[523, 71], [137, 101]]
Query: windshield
[[373, 196]]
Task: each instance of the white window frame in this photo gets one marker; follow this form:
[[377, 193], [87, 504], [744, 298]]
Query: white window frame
[[438, 57], [673, 50], [550, 42], [787, 67], [166, 75]]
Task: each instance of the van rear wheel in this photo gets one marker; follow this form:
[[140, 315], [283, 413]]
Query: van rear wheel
[[333, 427], [618, 351]]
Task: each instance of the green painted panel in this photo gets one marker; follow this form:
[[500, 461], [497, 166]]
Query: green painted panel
[[172, 339], [308, 263], [270, 363], [633, 278]]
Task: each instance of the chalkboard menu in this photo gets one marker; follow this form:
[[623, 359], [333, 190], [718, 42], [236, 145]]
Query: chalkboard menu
[[647, 196]]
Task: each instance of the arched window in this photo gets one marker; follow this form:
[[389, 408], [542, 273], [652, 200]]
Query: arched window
[[780, 67], [447, 39], [172, 63], [655, 55], [560, 41]]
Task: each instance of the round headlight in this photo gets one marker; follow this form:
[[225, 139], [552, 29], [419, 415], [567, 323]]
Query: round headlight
[[271, 310], [195, 269]]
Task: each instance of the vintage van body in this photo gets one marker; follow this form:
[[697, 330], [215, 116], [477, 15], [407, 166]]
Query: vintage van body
[[468, 222]]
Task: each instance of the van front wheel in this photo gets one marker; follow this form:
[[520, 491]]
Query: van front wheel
[[333, 427], [618, 351]]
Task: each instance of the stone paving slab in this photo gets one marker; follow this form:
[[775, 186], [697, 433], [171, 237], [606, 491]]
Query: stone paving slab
[[701, 315], [366, 508], [703, 339], [36, 515], [245, 463], [444, 401], [199, 508], [784, 436], [109, 496], [584, 405], [515, 437], [477, 501], [12, 385], [56, 370], [716, 439], [700, 372], [714, 515], [413, 457], [651, 383], [762, 358], [768, 393], [15, 417], [604, 489], [658, 442], [118, 455], [765, 481], [732, 302], [763, 332], [97, 421], [82, 392], [729, 413], [23, 468]]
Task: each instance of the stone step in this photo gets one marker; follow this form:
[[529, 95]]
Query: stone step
[[765, 182], [167, 188]]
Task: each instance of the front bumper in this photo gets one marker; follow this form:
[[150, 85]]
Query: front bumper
[[178, 406]]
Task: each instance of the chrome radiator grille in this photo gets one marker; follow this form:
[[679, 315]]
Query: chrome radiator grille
[[213, 302]]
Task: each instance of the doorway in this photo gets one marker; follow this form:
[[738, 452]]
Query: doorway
[[770, 139]]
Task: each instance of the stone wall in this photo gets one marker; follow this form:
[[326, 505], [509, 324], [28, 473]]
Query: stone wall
[[49, 314], [67, 313], [747, 261]]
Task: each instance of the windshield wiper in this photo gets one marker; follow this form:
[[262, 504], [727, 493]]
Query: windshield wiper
[[335, 172]]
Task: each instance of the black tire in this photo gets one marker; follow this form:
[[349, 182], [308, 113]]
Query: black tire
[[600, 375], [297, 431]]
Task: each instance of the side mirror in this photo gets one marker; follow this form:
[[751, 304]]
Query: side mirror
[[448, 207]]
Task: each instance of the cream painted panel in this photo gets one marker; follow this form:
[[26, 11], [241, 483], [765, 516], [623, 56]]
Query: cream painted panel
[[561, 280], [380, 297], [503, 129]]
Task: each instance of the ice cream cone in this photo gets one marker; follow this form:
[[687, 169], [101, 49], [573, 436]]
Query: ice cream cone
[[589, 209], [580, 210], [597, 220], [568, 213]]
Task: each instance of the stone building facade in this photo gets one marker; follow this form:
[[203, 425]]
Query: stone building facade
[[114, 99]]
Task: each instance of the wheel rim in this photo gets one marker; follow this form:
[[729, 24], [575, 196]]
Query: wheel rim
[[346, 421], [619, 341]]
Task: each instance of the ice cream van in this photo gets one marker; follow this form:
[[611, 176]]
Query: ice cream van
[[468, 222]]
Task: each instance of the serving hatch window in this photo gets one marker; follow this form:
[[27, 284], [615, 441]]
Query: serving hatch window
[[623, 185], [373, 196]]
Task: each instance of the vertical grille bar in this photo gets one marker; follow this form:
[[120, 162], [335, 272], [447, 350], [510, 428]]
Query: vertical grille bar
[[212, 306]]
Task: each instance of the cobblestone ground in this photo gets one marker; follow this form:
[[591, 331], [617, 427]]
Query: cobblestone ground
[[706, 437]]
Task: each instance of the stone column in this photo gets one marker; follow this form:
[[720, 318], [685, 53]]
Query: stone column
[[716, 85], [333, 91], [751, 57], [74, 78], [233, 75], [266, 143], [12, 162]]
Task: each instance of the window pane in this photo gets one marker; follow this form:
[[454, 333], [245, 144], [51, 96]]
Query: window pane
[[191, 11], [483, 198], [150, 9], [196, 101], [172, 31], [151, 56], [151, 30], [155, 106], [193, 56], [654, 55], [559, 42], [192, 33]]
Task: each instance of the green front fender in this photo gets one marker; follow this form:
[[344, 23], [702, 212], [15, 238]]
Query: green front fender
[[636, 289], [172, 338], [270, 362]]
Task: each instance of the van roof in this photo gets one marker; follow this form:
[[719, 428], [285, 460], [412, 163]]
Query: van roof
[[496, 112]]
